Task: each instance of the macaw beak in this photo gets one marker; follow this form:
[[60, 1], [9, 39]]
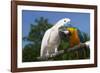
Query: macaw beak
[[66, 32]]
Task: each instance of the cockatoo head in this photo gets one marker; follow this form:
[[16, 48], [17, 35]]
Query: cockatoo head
[[63, 22], [66, 21]]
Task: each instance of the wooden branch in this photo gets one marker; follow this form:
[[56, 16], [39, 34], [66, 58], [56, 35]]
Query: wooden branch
[[75, 48]]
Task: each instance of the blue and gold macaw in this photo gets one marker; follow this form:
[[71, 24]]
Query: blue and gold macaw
[[75, 36], [72, 36]]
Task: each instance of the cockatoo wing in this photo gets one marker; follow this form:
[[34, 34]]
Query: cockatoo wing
[[44, 44], [46, 37]]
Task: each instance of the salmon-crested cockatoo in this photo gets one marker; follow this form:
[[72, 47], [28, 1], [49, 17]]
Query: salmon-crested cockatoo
[[51, 38]]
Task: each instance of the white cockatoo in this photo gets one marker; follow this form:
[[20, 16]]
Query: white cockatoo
[[51, 38]]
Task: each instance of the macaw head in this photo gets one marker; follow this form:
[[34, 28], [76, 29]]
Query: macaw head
[[67, 32], [64, 33]]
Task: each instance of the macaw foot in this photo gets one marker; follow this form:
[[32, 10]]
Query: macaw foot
[[87, 43]]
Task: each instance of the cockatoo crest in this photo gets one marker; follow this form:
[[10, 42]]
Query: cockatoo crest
[[62, 22]]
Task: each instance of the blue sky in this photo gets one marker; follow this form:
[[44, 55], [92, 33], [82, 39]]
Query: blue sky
[[79, 20]]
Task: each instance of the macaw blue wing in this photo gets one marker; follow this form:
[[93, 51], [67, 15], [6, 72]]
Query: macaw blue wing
[[83, 36]]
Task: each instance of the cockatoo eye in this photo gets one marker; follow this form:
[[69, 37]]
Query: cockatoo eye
[[64, 20]]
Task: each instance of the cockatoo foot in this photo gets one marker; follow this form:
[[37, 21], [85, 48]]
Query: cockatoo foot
[[52, 55]]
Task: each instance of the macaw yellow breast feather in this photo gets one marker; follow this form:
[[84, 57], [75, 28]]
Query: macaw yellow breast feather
[[74, 38]]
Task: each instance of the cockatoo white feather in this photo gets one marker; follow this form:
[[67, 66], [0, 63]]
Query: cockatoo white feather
[[51, 38]]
